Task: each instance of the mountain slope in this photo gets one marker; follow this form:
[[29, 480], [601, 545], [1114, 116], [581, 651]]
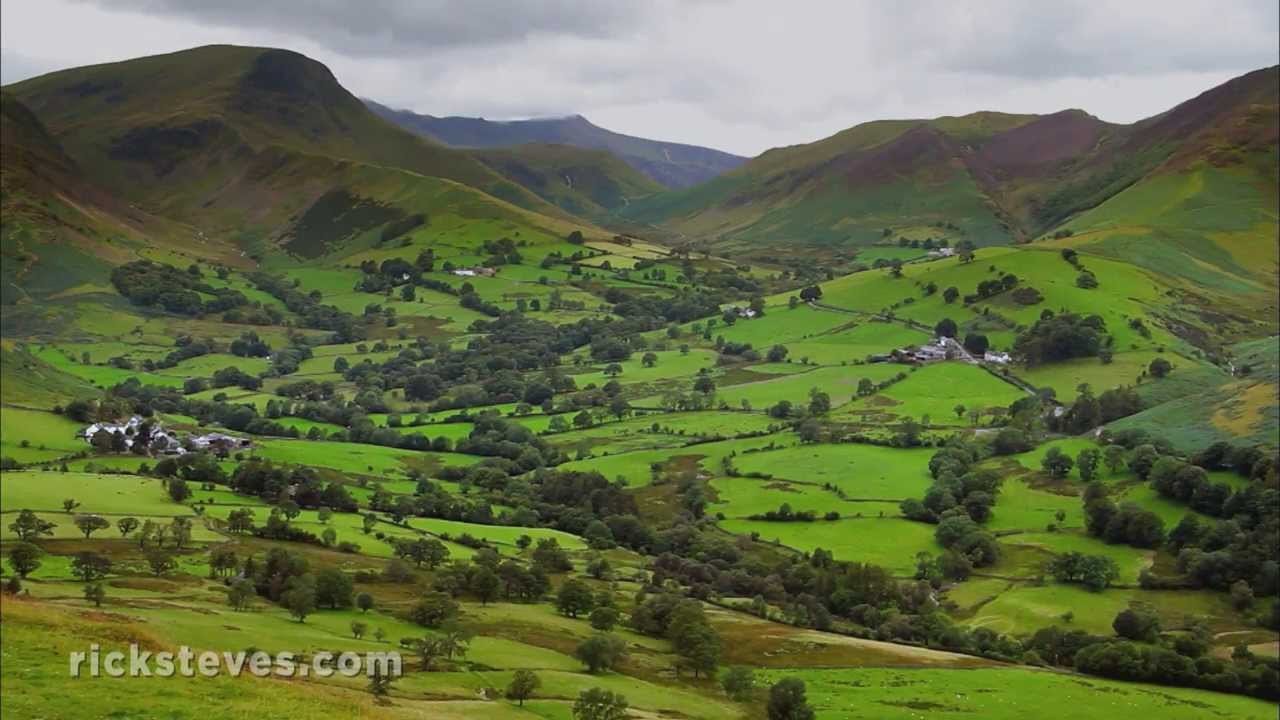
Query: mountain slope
[[908, 176], [993, 178], [202, 114], [255, 149], [673, 165], [60, 231], [587, 183]]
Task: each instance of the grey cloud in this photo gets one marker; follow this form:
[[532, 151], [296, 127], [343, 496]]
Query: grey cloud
[[389, 28]]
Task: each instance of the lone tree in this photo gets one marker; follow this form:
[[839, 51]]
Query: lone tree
[[90, 524], [787, 701], [28, 526], [90, 566], [160, 562], [523, 683], [127, 525], [24, 558], [95, 594], [601, 652], [301, 598], [1160, 367]]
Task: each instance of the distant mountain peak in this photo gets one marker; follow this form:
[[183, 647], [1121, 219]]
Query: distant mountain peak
[[674, 165]]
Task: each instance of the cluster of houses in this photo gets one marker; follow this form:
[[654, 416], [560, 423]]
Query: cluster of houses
[[742, 312], [938, 349], [159, 441], [475, 271]]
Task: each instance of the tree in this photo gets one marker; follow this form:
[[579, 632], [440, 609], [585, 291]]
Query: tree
[[1087, 463], [950, 295], [178, 490], [24, 558], [976, 344], [70, 504], [522, 685], [787, 701], [28, 526], [604, 618], [95, 593], [599, 704], [600, 652], [1057, 463], [1241, 595], [241, 594], [433, 608], [1140, 624], [574, 597], [160, 562], [90, 524], [1160, 368], [333, 588], [946, 327], [1114, 457], [738, 683], [89, 566], [364, 601], [300, 598], [485, 585], [819, 402], [777, 353], [127, 525], [358, 629], [379, 684], [649, 359]]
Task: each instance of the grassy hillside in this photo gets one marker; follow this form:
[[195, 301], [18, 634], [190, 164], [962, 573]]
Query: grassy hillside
[[209, 109], [992, 178], [587, 183]]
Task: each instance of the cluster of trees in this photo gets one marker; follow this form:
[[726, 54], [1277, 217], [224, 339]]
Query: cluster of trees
[[958, 488], [784, 513], [154, 284], [1095, 572], [1089, 411], [1061, 337], [1140, 652], [1126, 523]]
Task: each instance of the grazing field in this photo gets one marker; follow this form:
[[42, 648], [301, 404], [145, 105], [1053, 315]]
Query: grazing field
[[997, 694], [887, 541], [34, 435], [860, 471]]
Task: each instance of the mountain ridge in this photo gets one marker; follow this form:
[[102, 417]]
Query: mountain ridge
[[669, 163]]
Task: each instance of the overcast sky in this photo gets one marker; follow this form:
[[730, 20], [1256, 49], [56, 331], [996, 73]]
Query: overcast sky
[[739, 75]]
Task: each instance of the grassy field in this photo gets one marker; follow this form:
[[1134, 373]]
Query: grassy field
[[996, 694]]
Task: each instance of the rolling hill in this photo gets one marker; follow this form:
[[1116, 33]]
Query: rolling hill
[[674, 165], [993, 178], [234, 154]]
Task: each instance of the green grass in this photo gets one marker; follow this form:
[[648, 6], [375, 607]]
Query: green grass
[[997, 694], [861, 471], [889, 542], [115, 494], [355, 457], [34, 435], [934, 391]]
